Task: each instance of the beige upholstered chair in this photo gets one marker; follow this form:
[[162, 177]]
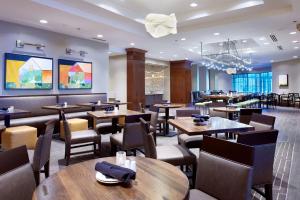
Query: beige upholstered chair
[[184, 139], [16, 175], [219, 178], [79, 139], [41, 155]]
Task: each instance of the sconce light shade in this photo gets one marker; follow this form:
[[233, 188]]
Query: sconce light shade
[[159, 25]]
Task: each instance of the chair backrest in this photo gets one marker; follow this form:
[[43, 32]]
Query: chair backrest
[[141, 107], [246, 114], [133, 136], [43, 146], [153, 108], [262, 122], [149, 143], [186, 113], [16, 177], [136, 118], [222, 178], [66, 127], [264, 143], [154, 118]]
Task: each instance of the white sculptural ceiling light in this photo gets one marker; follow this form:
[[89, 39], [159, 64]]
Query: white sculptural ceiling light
[[159, 25]]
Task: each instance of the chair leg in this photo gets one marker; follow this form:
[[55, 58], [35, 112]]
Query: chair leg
[[67, 153], [37, 177], [194, 175], [113, 149], [47, 169], [269, 191]]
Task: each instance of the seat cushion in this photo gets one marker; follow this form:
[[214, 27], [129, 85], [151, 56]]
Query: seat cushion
[[260, 126], [199, 195], [84, 136], [175, 155], [117, 139], [188, 141]]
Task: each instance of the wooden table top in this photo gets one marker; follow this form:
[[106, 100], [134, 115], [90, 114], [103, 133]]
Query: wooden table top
[[15, 112], [170, 105], [154, 180], [116, 113], [227, 109], [59, 107], [215, 125]]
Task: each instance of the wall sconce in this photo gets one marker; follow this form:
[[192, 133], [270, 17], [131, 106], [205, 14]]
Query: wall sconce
[[70, 51], [21, 44]]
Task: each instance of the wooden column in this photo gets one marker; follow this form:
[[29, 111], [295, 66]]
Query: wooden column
[[181, 81], [135, 77]]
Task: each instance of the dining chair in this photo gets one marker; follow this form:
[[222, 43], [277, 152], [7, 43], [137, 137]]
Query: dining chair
[[262, 122], [153, 123], [160, 119], [183, 138], [131, 139], [175, 155], [78, 139], [263, 145], [2, 129], [297, 99], [41, 156], [16, 175], [246, 114], [219, 178]]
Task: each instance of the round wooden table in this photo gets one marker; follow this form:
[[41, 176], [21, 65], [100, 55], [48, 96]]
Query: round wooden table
[[167, 114], [154, 180]]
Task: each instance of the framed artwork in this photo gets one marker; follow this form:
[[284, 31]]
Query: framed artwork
[[28, 72], [74, 74], [283, 80]]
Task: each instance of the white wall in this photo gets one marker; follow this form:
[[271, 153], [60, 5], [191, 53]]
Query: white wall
[[292, 69], [55, 48]]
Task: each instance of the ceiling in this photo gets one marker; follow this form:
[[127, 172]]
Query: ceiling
[[250, 22]]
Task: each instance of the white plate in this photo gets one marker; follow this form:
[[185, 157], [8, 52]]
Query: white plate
[[103, 179]]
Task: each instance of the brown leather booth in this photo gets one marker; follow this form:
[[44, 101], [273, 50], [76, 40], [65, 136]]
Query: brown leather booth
[[38, 116]]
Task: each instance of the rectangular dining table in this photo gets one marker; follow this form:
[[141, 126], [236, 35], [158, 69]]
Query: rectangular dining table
[[7, 115], [215, 125]]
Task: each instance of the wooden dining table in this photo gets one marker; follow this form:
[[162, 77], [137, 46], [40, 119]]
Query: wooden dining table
[[58, 108], [228, 110], [95, 106], [214, 125], [7, 115], [155, 180]]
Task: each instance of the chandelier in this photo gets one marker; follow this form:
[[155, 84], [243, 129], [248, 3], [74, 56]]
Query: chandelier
[[226, 57]]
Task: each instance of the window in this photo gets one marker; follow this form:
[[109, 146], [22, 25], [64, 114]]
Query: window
[[252, 83]]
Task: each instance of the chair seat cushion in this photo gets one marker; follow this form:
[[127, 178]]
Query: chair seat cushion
[[117, 139], [188, 141], [84, 136], [199, 195], [175, 155], [260, 126]]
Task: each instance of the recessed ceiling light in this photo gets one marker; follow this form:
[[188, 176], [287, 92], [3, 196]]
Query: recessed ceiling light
[[296, 47], [132, 44], [262, 38], [193, 5], [266, 43], [43, 21], [183, 39], [295, 56], [216, 34], [271, 61], [295, 41], [293, 33], [186, 58], [99, 36], [244, 41]]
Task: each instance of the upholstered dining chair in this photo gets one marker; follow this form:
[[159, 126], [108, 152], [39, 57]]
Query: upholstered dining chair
[[173, 154], [184, 139], [262, 122], [160, 119], [246, 114], [41, 156], [219, 178], [16, 175], [78, 139], [131, 139]]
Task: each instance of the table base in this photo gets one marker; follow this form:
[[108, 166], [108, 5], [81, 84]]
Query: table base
[[170, 134]]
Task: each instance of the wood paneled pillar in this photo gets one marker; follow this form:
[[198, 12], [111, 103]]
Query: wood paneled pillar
[[135, 77], [181, 81]]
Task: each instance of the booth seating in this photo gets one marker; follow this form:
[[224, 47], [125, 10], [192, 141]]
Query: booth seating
[[75, 124], [38, 116], [18, 136]]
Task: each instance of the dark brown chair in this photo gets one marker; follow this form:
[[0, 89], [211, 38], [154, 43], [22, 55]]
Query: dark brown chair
[[160, 119], [79, 139], [172, 154], [219, 178], [262, 122], [246, 114], [132, 137], [184, 139], [42, 149], [2, 128], [16, 175]]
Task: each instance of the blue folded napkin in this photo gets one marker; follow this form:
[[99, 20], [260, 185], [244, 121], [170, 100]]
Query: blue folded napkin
[[124, 175]]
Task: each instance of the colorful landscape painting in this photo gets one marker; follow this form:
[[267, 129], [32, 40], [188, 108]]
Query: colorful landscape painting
[[28, 72], [75, 74]]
